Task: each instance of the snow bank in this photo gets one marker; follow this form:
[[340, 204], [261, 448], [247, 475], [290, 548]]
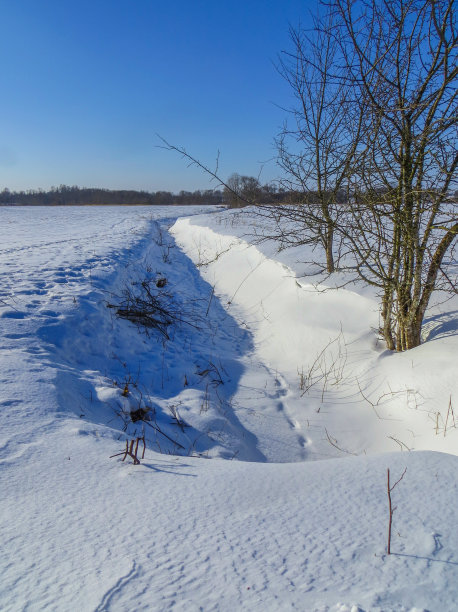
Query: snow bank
[[323, 344]]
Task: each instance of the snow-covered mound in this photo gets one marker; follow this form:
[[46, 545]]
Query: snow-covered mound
[[253, 363], [340, 387]]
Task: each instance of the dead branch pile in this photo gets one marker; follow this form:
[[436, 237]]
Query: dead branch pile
[[142, 304]]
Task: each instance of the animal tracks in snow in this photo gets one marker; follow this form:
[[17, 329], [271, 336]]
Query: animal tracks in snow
[[261, 403], [293, 423]]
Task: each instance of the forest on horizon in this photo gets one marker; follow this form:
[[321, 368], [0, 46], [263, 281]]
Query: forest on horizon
[[77, 196]]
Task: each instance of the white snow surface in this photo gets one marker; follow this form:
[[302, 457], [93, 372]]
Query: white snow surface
[[270, 409]]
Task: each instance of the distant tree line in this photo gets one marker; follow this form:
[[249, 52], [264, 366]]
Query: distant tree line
[[244, 190], [241, 190], [68, 196]]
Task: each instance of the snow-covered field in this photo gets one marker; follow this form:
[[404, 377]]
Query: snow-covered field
[[271, 413]]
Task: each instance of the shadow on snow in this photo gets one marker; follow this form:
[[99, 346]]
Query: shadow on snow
[[179, 390]]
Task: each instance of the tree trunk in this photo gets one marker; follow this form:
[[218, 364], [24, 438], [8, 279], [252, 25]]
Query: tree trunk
[[330, 267], [409, 334], [387, 330]]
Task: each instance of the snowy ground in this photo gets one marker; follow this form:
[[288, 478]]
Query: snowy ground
[[266, 374]]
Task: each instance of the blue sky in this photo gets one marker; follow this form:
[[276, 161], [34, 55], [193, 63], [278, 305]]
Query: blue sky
[[87, 85]]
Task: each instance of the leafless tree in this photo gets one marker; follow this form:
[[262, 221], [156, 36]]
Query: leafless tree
[[401, 59], [318, 142], [376, 117], [375, 84], [242, 189]]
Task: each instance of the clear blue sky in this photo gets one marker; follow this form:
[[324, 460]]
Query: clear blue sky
[[85, 87]]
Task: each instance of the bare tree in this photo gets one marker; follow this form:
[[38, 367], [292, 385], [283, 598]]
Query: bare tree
[[376, 116], [401, 59], [240, 190], [317, 147]]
